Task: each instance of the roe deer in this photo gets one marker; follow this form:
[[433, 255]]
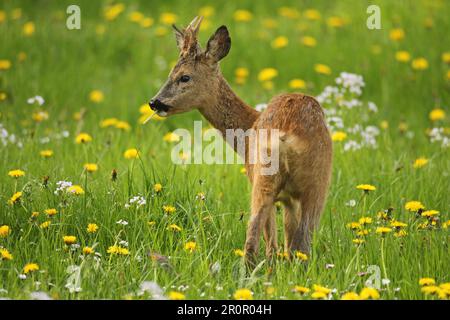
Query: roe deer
[[305, 156]]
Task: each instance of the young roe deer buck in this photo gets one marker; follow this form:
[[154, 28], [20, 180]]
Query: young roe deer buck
[[305, 152]]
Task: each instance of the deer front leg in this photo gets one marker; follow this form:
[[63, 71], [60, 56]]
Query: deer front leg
[[262, 206], [270, 234]]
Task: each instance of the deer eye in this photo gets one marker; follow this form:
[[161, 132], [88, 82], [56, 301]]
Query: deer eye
[[185, 78]]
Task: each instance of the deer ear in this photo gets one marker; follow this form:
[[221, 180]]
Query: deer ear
[[218, 45]]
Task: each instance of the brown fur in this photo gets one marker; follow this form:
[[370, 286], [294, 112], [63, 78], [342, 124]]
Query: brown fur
[[305, 149]]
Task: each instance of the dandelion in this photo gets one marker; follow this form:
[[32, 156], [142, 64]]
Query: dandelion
[[28, 29], [175, 228], [92, 228], [4, 231], [15, 198], [267, 74], [96, 96], [171, 137], [88, 250], [190, 246], [206, 11], [308, 41], [90, 167], [396, 34], [5, 64], [175, 295], [289, 13], [301, 290], [242, 16], [280, 42], [335, 22], [312, 14], [437, 114], [402, 56], [30, 267], [83, 138], [400, 234], [414, 206], [117, 250], [131, 153], [301, 256], [420, 162], [241, 72], [109, 122], [238, 253], [34, 214], [69, 240], [45, 225], [169, 209], [157, 187], [123, 125], [419, 64], [75, 189], [151, 223], [168, 18], [46, 153], [365, 220], [446, 224], [16, 173], [369, 293], [430, 290], [146, 22], [135, 16], [297, 84], [113, 11], [319, 288], [358, 241], [383, 230], [397, 224], [366, 187], [40, 116], [322, 69], [426, 281], [350, 296], [430, 213], [338, 136], [51, 212], [318, 295], [243, 294], [5, 254], [353, 225]]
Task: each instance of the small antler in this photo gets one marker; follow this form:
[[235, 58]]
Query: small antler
[[187, 38]]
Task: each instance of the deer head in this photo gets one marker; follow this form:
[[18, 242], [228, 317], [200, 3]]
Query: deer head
[[194, 81]]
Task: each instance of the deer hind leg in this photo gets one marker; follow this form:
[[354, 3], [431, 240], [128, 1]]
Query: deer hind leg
[[270, 234], [310, 209], [263, 198], [292, 212]]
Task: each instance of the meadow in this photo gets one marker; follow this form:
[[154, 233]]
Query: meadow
[[91, 205]]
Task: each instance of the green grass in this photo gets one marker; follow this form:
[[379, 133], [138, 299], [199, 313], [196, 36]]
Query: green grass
[[64, 66]]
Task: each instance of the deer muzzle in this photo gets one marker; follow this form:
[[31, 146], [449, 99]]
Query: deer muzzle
[[158, 106]]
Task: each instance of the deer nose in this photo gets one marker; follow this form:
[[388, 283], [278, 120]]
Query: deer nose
[[157, 105]]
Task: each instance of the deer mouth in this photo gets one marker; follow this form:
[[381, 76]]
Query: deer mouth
[[158, 106]]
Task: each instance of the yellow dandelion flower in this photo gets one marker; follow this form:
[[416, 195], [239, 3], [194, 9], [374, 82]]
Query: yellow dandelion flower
[[30, 267], [4, 231], [168, 18], [365, 220], [398, 224], [312, 14], [169, 209], [5, 254], [420, 162], [151, 223], [83, 138], [88, 250], [109, 122], [402, 56], [96, 96], [280, 42], [46, 153], [369, 293], [242, 15], [157, 187], [322, 69], [383, 230], [15, 198], [51, 212], [419, 64], [287, 12], [190, 246], [175, 295], [16, 173], [241, 72], [400, 234], [45, 224], [92, 228], [427, 281], [396, 34], [301, 289], [318, 295], [301, 256], [308, 41], [5, 64], [206, 11], [267, 74], [297, 84], [366, 187], [113, 11], [75, 189], [238, 252], [135, 16], [171, 137], [28, 29], [146, 22], [354, 225], [335, 22], [319, 288], [430, 213], [174, 227], [437, 114], [350, 296], [69, 240], [338, 136], [414, 206], [430, 290], [123, 125], [358, 241], [243, 294], [90, 167], [117, 250], [131, 153], [34, 214]]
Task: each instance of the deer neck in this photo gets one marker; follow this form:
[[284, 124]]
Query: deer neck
[[229, 111]]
